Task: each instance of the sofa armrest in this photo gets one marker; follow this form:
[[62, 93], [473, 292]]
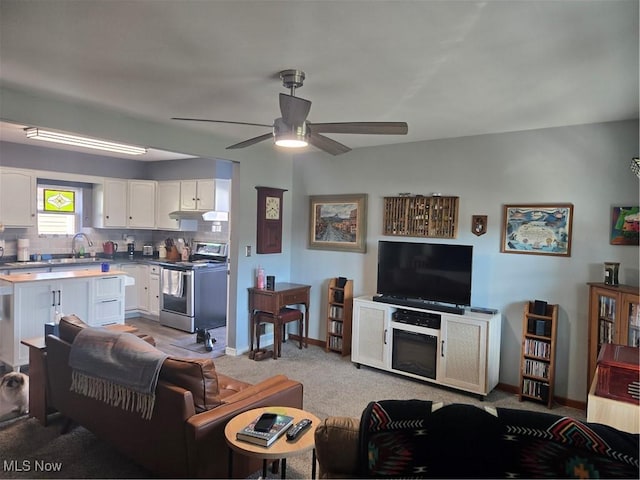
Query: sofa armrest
[[205, 431], [337, 447]]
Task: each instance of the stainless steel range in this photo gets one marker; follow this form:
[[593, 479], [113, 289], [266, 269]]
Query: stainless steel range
[[193, 294]]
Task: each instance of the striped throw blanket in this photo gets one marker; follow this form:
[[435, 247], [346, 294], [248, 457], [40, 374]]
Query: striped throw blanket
[[117, 368]]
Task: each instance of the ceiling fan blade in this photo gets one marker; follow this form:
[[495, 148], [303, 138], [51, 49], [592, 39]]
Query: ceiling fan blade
[[251, 141], [294, 110], [363, 128], [328, 145], [221, 121]]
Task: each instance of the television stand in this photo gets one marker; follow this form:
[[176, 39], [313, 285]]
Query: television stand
[[467, 346], [417, 303]]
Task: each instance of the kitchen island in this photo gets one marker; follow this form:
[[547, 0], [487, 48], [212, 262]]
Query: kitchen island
[[28, 301]]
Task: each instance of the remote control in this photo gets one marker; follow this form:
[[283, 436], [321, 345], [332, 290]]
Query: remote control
[[488, 311], [295, 431]]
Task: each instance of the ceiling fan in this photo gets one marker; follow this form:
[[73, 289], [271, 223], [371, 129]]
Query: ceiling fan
[[293, 129]]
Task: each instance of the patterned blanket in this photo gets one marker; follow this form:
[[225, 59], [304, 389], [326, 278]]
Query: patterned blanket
[[116, 368], [412, 439]]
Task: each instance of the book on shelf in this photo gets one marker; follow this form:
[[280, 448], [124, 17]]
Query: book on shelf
[[265, 439]]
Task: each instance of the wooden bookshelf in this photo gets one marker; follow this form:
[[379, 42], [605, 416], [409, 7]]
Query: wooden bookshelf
[[339, 312], [614, 317], [421, 216], [538, 358]]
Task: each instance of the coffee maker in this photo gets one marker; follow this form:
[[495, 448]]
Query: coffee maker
[[131, 248]]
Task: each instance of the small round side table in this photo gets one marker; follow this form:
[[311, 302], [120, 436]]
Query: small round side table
[[278, 450]]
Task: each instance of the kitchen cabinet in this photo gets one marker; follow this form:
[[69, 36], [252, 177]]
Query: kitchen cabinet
[[143, 298], [154, 290], [34, 304], [120, 203], [110, 203], [131, 291], [141, 203], [17, 198], [197, 194], [167, 201], [107, 301]]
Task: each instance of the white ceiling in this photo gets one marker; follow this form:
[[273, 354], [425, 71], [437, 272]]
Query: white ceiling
[[448, 68]]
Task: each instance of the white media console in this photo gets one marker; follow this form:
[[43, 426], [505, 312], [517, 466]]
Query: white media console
[[461, 351]]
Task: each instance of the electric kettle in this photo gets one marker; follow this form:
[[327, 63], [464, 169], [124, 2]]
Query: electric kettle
[[109, 248]]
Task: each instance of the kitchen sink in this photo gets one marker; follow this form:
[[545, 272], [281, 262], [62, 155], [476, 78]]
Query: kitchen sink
[[54, 261]]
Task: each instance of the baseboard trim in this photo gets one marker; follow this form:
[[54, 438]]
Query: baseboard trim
[[565, 402]]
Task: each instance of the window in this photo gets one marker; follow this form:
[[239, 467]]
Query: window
[[59, 209]]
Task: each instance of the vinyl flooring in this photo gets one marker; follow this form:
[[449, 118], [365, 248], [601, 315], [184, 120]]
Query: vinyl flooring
[[166, 336]]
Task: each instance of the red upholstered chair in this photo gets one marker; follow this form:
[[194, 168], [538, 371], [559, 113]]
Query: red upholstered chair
[[286, 315]]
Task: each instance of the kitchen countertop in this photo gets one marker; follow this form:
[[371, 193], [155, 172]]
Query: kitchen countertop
[[58, 263], [59, 275]]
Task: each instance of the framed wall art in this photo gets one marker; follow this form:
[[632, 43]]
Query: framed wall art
[[539, 229], [625, 226], [338, 222]]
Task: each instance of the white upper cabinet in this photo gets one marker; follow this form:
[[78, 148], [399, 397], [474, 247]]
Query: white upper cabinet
[[110, 203], [17, 198], [120, 203], [197, 194], [142, 204], [167, 201]]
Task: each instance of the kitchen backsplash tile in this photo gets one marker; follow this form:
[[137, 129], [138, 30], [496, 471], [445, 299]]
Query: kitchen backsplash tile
[[62, 245]]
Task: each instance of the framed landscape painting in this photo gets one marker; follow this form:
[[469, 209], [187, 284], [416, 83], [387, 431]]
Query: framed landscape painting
[[338, 222], [625, 226], [539, 229]]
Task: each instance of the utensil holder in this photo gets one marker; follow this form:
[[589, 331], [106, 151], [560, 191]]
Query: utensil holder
[[172, 254]]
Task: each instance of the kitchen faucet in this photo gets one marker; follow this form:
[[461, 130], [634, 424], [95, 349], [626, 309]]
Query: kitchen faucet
[[76, 237]]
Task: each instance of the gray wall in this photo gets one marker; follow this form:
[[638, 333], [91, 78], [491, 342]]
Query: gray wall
[[585, 165]]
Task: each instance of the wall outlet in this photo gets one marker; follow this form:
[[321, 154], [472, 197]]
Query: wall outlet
[[247, 251]]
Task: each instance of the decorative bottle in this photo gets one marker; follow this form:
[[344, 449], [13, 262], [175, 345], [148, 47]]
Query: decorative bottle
[[261, 277]]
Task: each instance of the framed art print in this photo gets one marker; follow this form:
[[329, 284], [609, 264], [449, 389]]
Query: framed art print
[[338, 222], [539, 229], [625, 226]]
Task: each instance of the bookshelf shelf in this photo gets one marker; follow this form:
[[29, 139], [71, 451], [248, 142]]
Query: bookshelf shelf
[[339, 311], [538, 358], [614, 317]]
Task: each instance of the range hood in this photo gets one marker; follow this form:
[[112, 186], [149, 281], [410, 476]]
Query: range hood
[[206, 215]]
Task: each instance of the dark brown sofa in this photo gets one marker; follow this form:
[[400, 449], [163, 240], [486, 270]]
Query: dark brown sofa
[[185, 435]]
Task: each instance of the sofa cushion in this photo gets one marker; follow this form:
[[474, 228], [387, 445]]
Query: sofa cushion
[[409, 438], [69, 327], [198, 375]]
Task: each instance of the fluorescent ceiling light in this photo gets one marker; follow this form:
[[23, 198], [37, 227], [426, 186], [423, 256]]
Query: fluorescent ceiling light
[[39, 134], [290, 136]]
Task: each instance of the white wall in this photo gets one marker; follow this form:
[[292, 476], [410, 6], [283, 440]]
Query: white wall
[[585, 165]]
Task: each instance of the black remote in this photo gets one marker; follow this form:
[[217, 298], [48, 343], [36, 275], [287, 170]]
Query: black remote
[[295, 431]]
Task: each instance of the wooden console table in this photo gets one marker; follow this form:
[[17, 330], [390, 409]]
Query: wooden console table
[[272, 301]]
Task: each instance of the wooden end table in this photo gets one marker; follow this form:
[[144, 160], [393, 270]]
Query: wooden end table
[[278, 450]]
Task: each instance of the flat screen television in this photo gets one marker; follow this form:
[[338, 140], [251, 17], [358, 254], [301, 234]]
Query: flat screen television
[[432, 272]]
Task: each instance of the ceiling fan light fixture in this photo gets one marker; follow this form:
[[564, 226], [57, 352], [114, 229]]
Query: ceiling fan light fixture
[[290, 136], [86, 142]]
